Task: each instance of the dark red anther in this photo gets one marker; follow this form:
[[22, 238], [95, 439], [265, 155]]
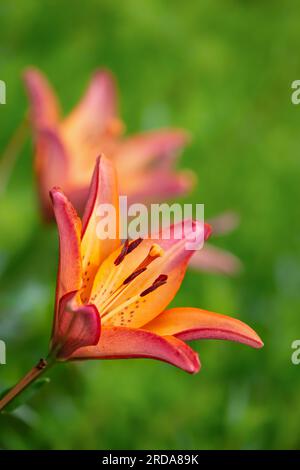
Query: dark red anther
[[133, 245], [161, 278], [123, 253], [134, 275], [160, 281]]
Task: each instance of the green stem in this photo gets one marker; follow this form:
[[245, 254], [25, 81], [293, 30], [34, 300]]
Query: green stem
[[28, 379]]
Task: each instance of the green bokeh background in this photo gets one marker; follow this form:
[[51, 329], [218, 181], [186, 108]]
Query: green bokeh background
[[223, 70]]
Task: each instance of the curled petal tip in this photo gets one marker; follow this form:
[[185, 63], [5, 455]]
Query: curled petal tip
[[257, 342], [195, 365], [44, 108], [56, 193], [55, 189], [27, 72], [100, 157], [30, 72], [104, 72]]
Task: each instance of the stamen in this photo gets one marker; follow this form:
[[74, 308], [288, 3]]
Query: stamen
[[134, 244], [127, 248], [134, 275], [160, 281], [108, 305], [155, 252], [161, 278], [123, 253]]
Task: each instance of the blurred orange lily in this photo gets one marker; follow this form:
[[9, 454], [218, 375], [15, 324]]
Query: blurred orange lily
[[111, 297], [216, 260], [65, 148]]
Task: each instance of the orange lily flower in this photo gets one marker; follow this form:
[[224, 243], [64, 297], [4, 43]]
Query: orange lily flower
[[111, 297], [65, 148]]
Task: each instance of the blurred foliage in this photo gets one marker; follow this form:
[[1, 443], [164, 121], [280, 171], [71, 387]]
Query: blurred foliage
[[223, 70]]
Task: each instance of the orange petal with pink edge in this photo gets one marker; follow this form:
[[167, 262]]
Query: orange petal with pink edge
[[215, 260], [96, 112], [128, 307], [77, 326], [69, 229], [44, 107], [51, 165], [128, 343], [157, 185], [194, 323], [137, 152], [94, 246]]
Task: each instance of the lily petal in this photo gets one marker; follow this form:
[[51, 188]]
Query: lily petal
[[194, 323], [94, 247], [97, 110], [77, 326], [69, 229], [215, 260], [138, 151], [158, 185], [126, 343], [51, 165], [44, 105]]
